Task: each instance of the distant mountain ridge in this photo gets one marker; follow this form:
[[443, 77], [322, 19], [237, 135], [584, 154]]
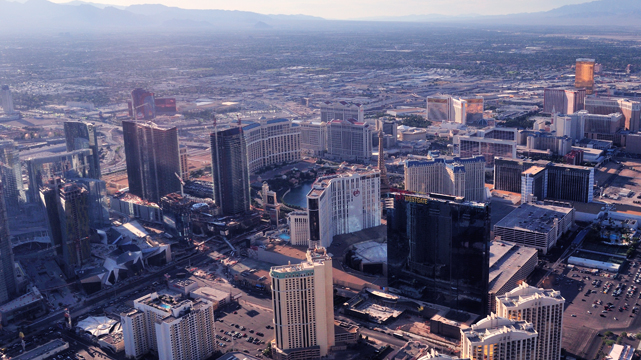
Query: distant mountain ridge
[[35, 15], [77, 15], [597, 13]]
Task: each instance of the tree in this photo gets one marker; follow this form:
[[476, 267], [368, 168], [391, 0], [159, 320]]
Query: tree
[[415, 121], [607, 333], [624, 334], [638, 336]]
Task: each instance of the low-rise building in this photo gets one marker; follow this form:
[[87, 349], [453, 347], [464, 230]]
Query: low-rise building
[[298, 228], [217, 297], [510, 265], [44, 351], [535, 225]]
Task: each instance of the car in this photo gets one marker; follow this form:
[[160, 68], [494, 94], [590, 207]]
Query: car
[[589, 312], [573, 315], [602, 315], [235, 312], [616, 319]]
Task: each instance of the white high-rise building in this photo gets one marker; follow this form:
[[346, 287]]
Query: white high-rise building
[[461, 110], [298, 228], [313, 137], [497, 338], [6, 100], [169, 326], [302, 298], [341, 110], [349, 140], [344, 203], [541, 307], [449, 176], [271, 142]]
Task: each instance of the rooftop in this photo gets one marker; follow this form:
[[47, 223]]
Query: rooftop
[[314, 257], [506, 260], [494, 325], [211, 293], [42, 350], [534, 217], [525, 293]]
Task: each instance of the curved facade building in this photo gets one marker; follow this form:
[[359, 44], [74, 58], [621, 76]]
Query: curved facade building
[[271, 142]]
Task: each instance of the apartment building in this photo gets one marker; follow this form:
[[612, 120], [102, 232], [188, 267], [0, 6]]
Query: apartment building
[[302, 298], [543, 308]]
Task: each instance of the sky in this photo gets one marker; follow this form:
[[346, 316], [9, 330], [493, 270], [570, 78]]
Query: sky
[[354, 9]]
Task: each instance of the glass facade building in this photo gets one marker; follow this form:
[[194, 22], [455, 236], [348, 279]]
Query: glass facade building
[[438, 249], [230, 171]]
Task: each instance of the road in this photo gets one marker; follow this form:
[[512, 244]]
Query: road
[[578, 240], [104, 296]]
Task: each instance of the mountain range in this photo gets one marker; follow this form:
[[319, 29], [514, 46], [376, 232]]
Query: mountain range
[[42, 15]]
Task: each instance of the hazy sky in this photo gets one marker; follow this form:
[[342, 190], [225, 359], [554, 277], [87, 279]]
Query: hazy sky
[[350, 9]]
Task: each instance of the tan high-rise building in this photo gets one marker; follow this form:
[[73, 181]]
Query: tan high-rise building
[[497, 338], [584, 75], [630, 109], [541, 307], [563, 101], [462, 110], [302, 297], [171, 327]]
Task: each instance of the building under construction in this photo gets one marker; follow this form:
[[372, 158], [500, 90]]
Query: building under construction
[[68, 216]]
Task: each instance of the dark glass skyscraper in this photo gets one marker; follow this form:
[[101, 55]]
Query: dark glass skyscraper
[[7, 267], [438, 250], [153, 159], [230, 170], [81, 135], [143, 104]]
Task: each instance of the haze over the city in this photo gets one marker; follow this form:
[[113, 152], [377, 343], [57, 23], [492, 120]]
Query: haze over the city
[[355, 9]]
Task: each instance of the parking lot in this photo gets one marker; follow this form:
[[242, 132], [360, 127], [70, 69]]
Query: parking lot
[[244, 327], [591, 306]]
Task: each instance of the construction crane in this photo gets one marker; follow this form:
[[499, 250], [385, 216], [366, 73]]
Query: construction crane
[[182, 184]]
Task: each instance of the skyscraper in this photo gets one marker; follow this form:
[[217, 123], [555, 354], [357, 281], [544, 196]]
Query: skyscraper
[[82, 135], [381, 164], [74, 222], [631, 110], [446, 175], [11, 173], [153, 159], [67, 165], [541, 307], [563, 101], [497, 338], [341, 110], [7, 265], [349, 140], [438, 250], [230, 170], [6, 100], [462, 110], [584, 78], [143, 105], [342, 204], [302, 298], [172, 327]]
